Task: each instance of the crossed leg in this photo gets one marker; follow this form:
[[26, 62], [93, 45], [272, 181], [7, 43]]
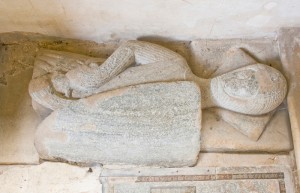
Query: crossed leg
[[89, 77]]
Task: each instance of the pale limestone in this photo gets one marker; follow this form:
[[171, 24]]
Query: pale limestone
[[59, 177], [254, 89], [17, 43], [289, 44], [149, 124], [250, 126], [209, 56], [199, 180], [219, 136], [58, 83], [289, 178], [233, 59], [164, 19], [18, 121], [18, 51], [50, 178], [245, 160]]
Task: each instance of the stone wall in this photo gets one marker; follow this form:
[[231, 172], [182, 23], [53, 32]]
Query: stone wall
[[176, 19]]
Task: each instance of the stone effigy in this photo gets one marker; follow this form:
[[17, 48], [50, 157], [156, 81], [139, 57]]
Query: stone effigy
[[147, 124], [142, 105]]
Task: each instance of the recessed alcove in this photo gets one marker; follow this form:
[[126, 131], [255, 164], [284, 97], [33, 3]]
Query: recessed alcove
[[208, 34]]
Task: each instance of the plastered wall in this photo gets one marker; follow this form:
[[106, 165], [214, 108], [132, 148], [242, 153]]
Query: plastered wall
[[103, 20]]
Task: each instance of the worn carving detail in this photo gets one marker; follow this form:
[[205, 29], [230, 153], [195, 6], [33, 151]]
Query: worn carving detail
[[251, 126], [148, 124], [255, 89], [138, 72], [237, 91]]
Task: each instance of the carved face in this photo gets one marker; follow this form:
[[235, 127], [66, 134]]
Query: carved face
[[253, 89]]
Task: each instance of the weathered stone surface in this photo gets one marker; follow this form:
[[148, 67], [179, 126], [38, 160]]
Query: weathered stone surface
[[18, 121], [49, 86], [251, 126], [283, 174], [49, 178], [254, 89], [149, 124], [210, 58], [233, 59], [218, 136], [269, 186], [199, 180], [289, 44], [18, 51], [207, 56], [245, 160]]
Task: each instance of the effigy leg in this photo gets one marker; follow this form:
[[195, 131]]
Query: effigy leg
[[84, 78]]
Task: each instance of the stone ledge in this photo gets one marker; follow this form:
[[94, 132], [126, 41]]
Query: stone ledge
[[199, 180], [49, 177]]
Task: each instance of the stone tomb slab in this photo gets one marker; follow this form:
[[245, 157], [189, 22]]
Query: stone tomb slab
[[18, 121], [198, 180]]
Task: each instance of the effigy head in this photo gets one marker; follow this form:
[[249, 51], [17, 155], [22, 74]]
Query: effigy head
[[254, 89]]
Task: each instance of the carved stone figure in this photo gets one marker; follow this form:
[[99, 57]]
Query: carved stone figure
[[141, 105]]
